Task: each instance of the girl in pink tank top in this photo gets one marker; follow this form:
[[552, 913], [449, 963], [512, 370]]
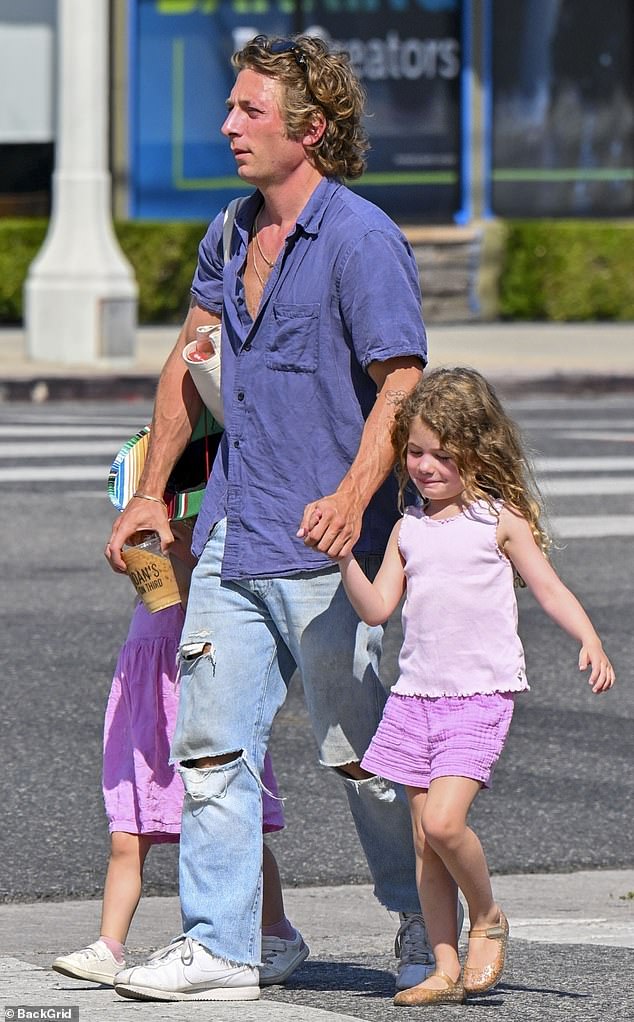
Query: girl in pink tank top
[[456, 558]]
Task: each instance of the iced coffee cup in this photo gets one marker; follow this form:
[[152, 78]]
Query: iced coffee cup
[[151, 571]]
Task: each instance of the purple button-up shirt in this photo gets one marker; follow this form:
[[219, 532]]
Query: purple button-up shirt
[[343, 293]]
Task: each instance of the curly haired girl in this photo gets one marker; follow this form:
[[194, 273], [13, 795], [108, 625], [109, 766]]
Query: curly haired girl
[[462, 663]]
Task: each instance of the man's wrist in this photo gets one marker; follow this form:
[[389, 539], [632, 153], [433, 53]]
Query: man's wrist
[[148, 496], [352, 494]]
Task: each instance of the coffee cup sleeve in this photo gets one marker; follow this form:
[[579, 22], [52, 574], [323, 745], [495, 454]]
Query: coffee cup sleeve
[[206, 376]]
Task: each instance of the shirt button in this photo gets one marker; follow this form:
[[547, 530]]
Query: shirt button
[[247, 346], [236, 443], [240, 395]]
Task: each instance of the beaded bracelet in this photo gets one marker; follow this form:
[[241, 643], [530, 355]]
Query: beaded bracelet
[[146, 496]]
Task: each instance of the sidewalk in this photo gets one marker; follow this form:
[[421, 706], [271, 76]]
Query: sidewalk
[[570, 956], [519, 357]]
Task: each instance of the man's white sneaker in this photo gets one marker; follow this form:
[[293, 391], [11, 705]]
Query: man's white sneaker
[[280, 958], [412, 948], [95, 962], [186, 971]]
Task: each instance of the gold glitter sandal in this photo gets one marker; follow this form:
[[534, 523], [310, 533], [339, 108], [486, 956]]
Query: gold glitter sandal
[[452, 993], [478, 981]]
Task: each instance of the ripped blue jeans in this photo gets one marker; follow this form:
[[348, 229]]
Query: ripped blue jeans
[[241, 643]]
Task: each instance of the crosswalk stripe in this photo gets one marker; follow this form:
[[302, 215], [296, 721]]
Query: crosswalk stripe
[[81, 445], [584, 485], [85, 445], [552, 487], [79, 432], [591, 526], [613, 425], [53, 473], [584, 464], [589, 434], [63, 449]]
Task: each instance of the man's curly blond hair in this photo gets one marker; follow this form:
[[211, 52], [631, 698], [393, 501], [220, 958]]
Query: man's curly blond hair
[[315, 81]]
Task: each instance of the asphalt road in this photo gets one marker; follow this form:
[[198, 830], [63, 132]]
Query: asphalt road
[[563, 793]]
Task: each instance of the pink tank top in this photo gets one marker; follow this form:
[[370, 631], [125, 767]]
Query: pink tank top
[[460, 612]]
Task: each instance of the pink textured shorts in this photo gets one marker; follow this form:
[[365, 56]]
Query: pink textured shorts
[[420, 738]]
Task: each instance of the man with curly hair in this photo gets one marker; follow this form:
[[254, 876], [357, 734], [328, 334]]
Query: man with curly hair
[[322, 335]]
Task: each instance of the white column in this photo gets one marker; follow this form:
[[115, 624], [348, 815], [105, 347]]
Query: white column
[[80, 293]]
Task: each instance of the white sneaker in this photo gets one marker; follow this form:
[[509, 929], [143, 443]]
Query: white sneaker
[[412, 948], [95, 962], [280, 958], [186, 971]]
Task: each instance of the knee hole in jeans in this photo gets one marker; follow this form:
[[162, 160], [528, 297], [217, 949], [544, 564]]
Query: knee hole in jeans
[[211, 761], [196, 647]]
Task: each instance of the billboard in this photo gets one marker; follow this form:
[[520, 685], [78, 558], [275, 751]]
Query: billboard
[[563, 111], [406, 52]]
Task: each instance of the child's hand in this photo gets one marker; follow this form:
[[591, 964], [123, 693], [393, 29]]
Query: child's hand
[[314, 519], [602, 674]]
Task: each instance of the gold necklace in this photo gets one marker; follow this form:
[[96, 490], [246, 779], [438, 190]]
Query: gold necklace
[[257, 240], [255, 267]]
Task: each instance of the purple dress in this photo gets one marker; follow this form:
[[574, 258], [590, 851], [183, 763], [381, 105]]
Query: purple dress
[[143, 794]]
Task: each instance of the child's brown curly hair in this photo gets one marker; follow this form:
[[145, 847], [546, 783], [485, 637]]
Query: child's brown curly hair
[[475, 430]]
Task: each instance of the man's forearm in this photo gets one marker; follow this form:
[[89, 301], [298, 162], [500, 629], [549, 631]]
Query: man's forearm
[[332, 523], [375, 458]]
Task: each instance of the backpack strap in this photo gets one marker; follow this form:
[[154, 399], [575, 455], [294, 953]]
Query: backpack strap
[[231, 213]]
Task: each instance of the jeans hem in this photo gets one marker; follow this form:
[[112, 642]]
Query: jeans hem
[[232, 962], [397, 908]]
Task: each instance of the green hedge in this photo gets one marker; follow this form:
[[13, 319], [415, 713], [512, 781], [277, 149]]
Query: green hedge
[[163, 256], [566, 270], [19, 243], [164, 259], [551, 269]]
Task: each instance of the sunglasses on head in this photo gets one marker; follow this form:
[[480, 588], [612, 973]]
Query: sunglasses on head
[[284, 46]]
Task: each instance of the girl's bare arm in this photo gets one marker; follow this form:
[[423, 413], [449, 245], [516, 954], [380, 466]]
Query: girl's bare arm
[[518, 543], [375, 601]]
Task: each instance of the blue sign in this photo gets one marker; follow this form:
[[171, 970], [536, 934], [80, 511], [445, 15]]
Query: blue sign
[[406, 53]]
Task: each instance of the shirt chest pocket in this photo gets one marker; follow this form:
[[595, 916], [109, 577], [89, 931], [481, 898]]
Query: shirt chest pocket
[[294, 346]]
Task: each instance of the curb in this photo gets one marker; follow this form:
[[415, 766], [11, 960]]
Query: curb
[[39, 389], [142, 386]]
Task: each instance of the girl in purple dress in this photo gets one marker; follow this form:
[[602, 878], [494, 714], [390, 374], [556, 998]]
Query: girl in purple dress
[[143, 793]]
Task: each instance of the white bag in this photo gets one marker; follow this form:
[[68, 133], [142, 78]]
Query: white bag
[[206, 373]]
